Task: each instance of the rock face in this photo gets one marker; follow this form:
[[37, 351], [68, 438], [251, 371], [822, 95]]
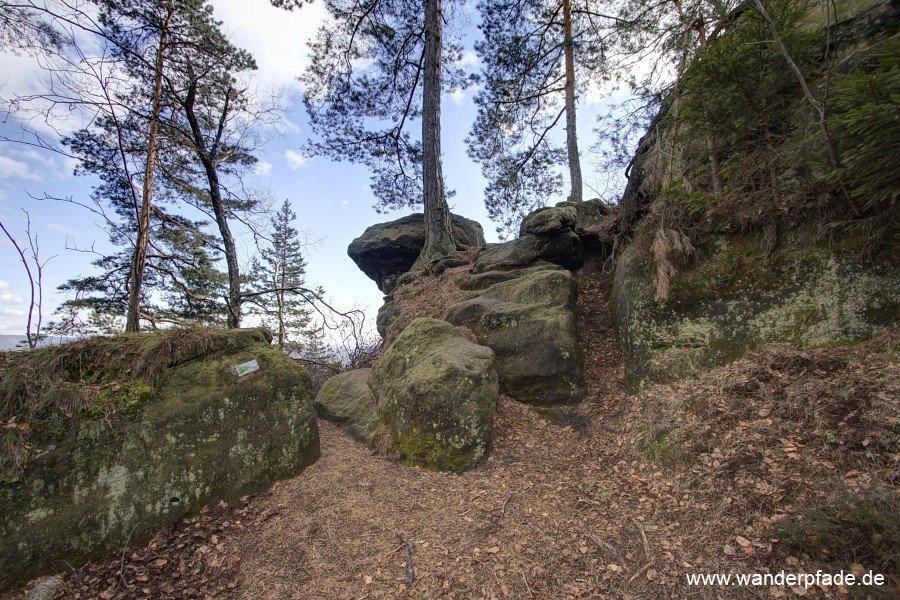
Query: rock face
[[562, 248], [437, 393], [387, 250], [527, 317], [205, 435], [735, 300], [346, 399]]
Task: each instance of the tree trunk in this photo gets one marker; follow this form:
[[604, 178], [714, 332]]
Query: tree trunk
[[438, 238], [234, 275], [571, 134], [279, 298], [215, 199], [712, 147], [139, 257]]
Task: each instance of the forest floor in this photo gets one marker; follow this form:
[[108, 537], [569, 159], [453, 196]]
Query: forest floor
[[785, 460]]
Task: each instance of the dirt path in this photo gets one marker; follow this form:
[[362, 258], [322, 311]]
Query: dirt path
[[539, 520]]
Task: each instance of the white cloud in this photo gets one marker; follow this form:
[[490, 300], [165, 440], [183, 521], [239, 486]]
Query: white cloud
[[262, 167], [470, 59], [294, 159], [11, 168], [12, 312], [458, 96], [4, 285], [277, 38], [8, 298]]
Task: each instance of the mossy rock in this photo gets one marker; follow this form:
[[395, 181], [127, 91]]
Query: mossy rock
[[482, 281], [562, 248], [203, 436], [385, 318], [437, 393], [549, 220], [529, 322], [738, 297], [346, 400], [587, 213]]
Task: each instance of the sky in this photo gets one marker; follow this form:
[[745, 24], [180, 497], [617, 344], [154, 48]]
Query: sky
[[332, 200]]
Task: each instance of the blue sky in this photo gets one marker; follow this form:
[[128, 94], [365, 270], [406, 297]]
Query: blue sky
[[332, 200]]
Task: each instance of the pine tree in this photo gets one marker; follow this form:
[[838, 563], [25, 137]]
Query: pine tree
[[530, 76], [364, 114], [279, 283]]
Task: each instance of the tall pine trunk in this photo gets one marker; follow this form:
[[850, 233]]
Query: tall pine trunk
[[571, 134], [139, 257], [438, 238]]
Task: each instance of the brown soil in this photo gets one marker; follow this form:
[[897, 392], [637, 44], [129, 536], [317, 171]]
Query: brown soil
[[619, 498]]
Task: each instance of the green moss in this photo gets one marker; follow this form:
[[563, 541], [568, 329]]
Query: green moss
[[202, 436], [427, 450], [738, 297], [93, 384], [657, 448]]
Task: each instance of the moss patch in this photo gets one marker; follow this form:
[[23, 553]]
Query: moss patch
[[86, 386], [740, 296], [201, 436]]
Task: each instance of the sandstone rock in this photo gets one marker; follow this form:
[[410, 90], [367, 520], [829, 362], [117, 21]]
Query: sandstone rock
[[735, 300], [387, 250], [386, 315], [529, 322], [482, 281], [563, 248], [346, 400], [437, 393], [549, 220], [587, 213], [202, 436]]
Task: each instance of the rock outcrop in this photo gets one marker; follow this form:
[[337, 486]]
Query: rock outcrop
[[735, 300], [560, 247], [387, 250], [204, 435], [527, 317], [347, 400], [437, 393]]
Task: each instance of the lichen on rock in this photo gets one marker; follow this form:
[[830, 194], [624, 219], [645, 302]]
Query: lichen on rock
[[528, 318], [204, 435]]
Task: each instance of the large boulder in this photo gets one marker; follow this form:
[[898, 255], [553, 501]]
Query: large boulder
[[437, 393], [529, 322], [201, 434], [739, 296], [347, 400], [387, 250], [587, 213], [561, 247], [549, 220]]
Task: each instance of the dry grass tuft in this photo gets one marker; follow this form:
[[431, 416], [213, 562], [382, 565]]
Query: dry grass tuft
[[425, 295], [668, 246], [44, 391]]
